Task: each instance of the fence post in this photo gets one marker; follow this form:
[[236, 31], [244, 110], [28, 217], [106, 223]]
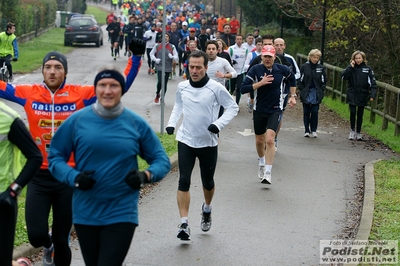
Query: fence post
[[334, 83], [396, 125], [385, 109], [374, 104]]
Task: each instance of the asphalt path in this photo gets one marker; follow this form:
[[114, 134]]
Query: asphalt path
[[253, 224]]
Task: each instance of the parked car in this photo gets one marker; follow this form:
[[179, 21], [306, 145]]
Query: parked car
[[83, 29]]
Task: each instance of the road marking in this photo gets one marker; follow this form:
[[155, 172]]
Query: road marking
[[247, 132]]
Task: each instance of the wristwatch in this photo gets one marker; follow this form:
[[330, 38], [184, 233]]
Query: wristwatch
[[293, 95], [16, 188]]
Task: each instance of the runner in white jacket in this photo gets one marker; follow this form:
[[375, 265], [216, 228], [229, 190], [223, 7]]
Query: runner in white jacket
[[199, 100]]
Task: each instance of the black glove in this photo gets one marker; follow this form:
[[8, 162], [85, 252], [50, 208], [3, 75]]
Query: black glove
[[14, 59], [136, 179], [137, 46], [151, 37], [234, 62], [83, 181], [8, 198], [170, 130], [213, 128]]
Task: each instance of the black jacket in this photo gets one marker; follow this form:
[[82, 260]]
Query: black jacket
[[312, 74], [228, 39], [361, 84]]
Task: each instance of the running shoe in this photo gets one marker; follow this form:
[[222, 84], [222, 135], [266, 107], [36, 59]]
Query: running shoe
[[352, 135], [184, 232], [307, 134], [205, 220], [359, 136], [267, 178], [314, 134], [157, 99], [48, 256], [261, 171], [250, 107]]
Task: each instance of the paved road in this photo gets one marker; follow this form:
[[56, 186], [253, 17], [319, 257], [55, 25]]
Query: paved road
[[253, 224]]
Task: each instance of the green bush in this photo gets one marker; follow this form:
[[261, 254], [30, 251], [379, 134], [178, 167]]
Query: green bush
[[29, 15]]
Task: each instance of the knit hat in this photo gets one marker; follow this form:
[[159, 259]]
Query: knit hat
[[110, 73], [56, 56]]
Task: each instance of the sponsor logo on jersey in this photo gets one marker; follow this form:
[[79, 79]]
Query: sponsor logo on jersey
[[64, 107], [48, 123]]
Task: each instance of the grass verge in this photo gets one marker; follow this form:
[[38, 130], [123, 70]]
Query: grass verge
[[386, 224]]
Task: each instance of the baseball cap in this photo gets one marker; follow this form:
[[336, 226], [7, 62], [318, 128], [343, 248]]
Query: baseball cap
[[192, 29], [184, 23], [268, 50]]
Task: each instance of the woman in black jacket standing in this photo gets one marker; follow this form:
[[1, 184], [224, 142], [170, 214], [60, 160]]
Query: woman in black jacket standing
[[312, 85], [361, 89]]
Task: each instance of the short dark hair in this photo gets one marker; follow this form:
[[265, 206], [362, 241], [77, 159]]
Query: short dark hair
[[198, 54], [211, 42], [259, 39], [10, 25], [268, 36]]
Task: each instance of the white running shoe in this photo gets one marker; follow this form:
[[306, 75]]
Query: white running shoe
[[307, 135], [184, 232], [314, 134], [352, 135], [267, 178], [359, 136]]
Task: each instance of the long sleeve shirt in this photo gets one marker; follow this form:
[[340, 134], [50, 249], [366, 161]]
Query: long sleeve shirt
[[200, 108]]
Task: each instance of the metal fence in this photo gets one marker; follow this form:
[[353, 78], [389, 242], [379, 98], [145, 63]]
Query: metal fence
[[386, 104]]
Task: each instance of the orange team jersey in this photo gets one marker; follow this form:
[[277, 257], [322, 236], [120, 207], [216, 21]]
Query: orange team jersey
[[47, 111], [221, 22]]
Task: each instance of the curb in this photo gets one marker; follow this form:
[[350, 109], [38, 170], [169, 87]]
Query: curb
[[26, 250], [367, 214]]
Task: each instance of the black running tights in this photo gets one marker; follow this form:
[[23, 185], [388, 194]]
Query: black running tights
[[208, 162], [40, 198], [98, 243], [8, 219]]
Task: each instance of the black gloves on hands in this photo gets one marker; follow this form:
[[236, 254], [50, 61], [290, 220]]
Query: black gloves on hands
[[170, 130], [136, 179], [234, 62], [213, 128], [14, 59], [151, 37], [137, 46], [83, 181], [8, 197]]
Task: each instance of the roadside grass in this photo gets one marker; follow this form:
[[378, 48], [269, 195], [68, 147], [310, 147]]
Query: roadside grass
[[386, 224], [31, 56]]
